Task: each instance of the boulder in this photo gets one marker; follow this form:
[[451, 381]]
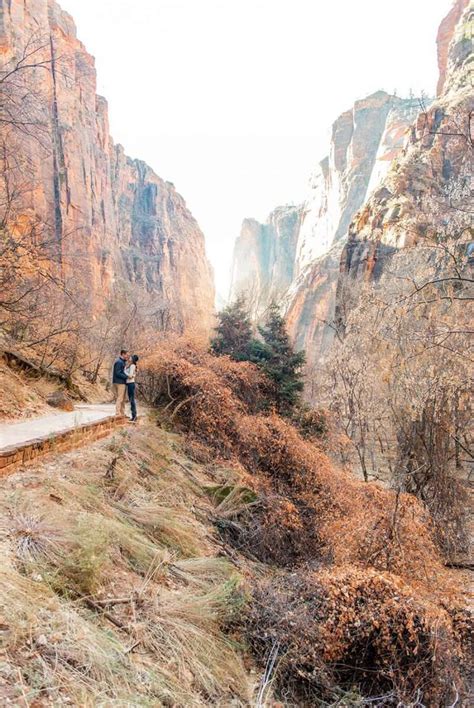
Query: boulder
[[60, 399]]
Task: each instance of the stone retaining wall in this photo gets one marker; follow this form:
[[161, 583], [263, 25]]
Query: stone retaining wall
[[11, 458]]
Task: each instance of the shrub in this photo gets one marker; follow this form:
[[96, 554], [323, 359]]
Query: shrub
[[313, 424], [370, 614], [309, 508], [354, 629]]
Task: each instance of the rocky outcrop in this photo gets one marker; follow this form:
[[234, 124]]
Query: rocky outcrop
[[427, 196], [295, 256], [265, 257], [310, 305], [446, 32], [120, 227], [363, 142]]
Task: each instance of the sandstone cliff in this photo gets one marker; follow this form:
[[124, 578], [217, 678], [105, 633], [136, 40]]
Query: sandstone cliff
[[364, 142], [427, 196], [264, 258], [446, 33], [121, 228], [295, 256]]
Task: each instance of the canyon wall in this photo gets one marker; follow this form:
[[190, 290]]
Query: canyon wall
[[265, 257], [363, 142], [295, 256], [398, 174], [121, 229], [427, 197]]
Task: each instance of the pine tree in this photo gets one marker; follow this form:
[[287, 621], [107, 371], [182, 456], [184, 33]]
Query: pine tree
[[275, 355], [233, 334]]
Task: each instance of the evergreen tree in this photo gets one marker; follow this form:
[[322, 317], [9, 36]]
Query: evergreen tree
[[233, 334], [275, 355]]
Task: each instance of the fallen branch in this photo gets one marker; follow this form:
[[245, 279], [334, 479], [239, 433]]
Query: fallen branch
[[95, 606]]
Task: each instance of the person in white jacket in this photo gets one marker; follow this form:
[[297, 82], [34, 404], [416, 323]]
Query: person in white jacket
[[131, 372]]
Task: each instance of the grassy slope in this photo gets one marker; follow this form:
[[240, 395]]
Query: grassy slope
[[116, 590], [113, 587]]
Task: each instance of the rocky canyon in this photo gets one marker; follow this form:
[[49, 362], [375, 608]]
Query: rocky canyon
[[121, 233], [395, 171], [304, 261], [287, 518]]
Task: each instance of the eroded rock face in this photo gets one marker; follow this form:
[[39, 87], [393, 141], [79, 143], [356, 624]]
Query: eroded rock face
[[120, 226], [364, 140], [427, 196], [310, 305], [265, 257], [446, 32], [295, 258]]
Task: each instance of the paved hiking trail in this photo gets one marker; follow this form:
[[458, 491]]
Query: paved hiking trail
[[18, 433]]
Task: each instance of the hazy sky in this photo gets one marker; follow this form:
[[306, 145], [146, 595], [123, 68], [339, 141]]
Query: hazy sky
[[232, 99]]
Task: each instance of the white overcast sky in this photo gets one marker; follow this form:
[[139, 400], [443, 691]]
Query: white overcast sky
[[232, 99]]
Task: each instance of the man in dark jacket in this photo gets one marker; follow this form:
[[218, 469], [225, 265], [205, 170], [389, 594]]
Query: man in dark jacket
[[119, 380]]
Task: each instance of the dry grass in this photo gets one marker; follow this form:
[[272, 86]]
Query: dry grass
[[164, 525], [19, 398], [114, 594], [32, 536], [52, 649], [182, 632]]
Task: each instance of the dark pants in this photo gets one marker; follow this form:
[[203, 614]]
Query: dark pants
[[131, 398]]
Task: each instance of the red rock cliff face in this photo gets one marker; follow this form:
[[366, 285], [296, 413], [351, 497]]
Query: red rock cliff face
[[445, 35], [427, 196], [364, 142], [121, 227], [294, 257]]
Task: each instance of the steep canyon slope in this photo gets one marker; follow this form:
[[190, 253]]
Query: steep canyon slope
[[398, 171], [426, 199], [122, 231], [364, 140]]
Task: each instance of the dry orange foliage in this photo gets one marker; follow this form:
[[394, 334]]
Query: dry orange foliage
[[218, 401], [356, 628], [383, 596]]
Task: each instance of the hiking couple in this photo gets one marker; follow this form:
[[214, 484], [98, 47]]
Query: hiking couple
[[123, 379]]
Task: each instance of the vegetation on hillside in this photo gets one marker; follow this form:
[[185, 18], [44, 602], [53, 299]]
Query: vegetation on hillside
[[112, 588], [271, 351], [398, 379], [354, 594], [158, 568]]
